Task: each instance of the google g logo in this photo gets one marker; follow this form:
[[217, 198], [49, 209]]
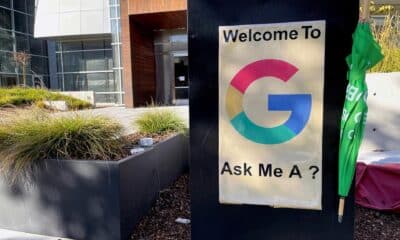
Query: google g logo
[[298, 104]]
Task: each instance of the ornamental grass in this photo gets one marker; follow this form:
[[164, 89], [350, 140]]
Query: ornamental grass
[[160, 122], [29, 138], [31, 96]]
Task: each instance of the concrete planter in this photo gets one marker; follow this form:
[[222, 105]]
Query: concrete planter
[[99, 200]]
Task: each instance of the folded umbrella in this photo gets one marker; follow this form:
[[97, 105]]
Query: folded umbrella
[[366, 52]]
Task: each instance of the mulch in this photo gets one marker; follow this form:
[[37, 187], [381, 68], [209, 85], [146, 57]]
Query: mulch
[[159, 224], [376, 225], [174, 202]]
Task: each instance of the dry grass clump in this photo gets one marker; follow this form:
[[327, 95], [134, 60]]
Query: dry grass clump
[[29, 138], [22, 95], [160, 122], [388, 37]]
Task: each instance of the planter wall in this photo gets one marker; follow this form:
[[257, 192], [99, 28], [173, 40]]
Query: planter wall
[[99, 200]]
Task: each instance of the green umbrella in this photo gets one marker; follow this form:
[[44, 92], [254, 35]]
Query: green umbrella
[[366, 52]]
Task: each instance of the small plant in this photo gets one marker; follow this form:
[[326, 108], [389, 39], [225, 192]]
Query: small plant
[[388, 37], [32, 96], [28, 139], [160, 122]]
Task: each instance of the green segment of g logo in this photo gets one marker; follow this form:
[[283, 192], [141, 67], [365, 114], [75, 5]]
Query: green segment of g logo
[[298, 104]]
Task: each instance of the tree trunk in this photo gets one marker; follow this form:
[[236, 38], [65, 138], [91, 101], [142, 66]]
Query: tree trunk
[[24, 75]]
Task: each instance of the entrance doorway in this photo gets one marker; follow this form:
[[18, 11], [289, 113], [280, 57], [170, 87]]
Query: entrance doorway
[[181, 80]]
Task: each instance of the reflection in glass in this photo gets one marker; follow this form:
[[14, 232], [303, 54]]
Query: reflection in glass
[[5, 3], [22, 43], [88, 66], [6, 40], [19, 5], [20, 21], [5, 18]]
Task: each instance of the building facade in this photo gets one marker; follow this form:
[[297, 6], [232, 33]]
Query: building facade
[[131, 52], [16, 35], [84, 46], [154, 50], [144, 61]]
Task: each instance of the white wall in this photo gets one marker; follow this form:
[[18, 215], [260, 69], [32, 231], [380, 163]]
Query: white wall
[[382, 131], [60, 18]]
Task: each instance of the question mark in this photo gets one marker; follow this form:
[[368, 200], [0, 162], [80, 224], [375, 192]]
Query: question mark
[[316, 169]]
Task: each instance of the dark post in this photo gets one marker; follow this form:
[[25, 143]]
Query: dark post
[[213, 220]]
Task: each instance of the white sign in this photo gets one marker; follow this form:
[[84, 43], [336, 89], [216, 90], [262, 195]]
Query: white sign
[[271, 82]]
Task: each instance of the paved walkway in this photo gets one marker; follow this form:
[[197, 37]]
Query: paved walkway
[[11, 235], [127, 115]]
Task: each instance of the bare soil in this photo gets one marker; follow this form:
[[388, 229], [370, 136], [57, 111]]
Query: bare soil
[[174, 202]]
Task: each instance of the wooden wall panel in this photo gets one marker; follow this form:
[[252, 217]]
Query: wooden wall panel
[[126, 54], [163, 20], [153, 6], [143, 64]]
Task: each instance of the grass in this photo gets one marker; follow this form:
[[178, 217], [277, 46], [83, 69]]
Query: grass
[[160, 122], [388, 37], [28, 139], [21, 96]]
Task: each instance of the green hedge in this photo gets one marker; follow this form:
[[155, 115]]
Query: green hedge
[[20, 96]]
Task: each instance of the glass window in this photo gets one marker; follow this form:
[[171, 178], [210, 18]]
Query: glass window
[[59, 64], [5, 18], [36, 46], [59, 46], [72, 46], [114, 2], [30, 24], [22, 43], [20, 22], [6, 40], [20, 5], [73, 62], [97, 82], [114, 12], [75, 82], [95, 61], [7, 63], [39, 65], [107, 98], [93, 44], [5, 3], [30, 6], [107, 43], [44, 48], [115, 29], [179, 38], [8, 80]]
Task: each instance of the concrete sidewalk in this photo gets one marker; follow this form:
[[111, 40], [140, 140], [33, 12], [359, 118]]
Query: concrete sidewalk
[[12, 235]]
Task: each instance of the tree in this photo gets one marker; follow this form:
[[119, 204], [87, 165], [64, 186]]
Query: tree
[[22, 59]]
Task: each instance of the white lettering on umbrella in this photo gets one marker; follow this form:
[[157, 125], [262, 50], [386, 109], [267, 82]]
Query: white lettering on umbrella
[[345, 114], [350, 135], [357, 117], [353, 93]]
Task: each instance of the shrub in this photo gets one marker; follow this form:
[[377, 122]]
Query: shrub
[[28, 139], [18, 96], [160, 122], [388, 37]]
